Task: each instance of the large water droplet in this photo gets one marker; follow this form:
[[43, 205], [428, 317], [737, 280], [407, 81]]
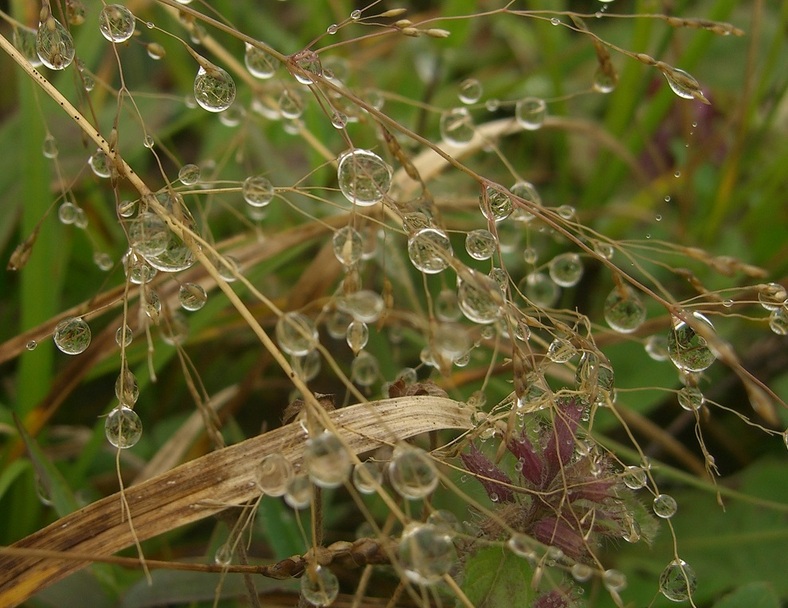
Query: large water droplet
[[561, 350], [348, 245], [357, 336], [690, 398], [214, 89], [54, 44], [309, 65], [772, 296], [326, 460], [664, 506], [480, 244], [530, 113], [100, 164], [319, 586], [614, 580], [273, 473], [470, 91], [624, 310], [259, 63], [496, 205], [116, 23], [296, 333], [24, 39], [678, 581], [365, 370], [364, 178], [778, 321], [72, 336], [257, 191], [412, 474], [189, 174], [540, 289], [635, 477], [123, 427], [364, 305], [456, 126], [127, 388], [367, 476], [299, 492], [192, 296], [426, 553], [566, 269], [479, 297], [430, 250], [687, 349]]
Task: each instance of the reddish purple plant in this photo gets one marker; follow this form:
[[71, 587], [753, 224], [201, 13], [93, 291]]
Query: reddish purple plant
[[562, 499]]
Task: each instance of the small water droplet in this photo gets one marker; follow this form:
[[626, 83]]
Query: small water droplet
[[566, 269], [530, 112], [480, 244], [296, 333], [214, 89], [72, 336], [664, 506], [123, 427], [273, 473], [326, 460], [257, 191], [189, 174], [678, 581], [470, 91], [624, 310], [412, 473], [116, 23]]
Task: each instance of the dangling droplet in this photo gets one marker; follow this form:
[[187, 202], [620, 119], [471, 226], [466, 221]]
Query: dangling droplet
[[426, 553], [259, 63], [192, 296], [296, 334], [678, 581], [364, 178], [326, 460], [365, 370], [319, 586], [430, 250], [687, 349], [348, 245], [778, 321], [581, 572], [624, 310], [49, 147], [367, 476], [456, 126], [470, 91], [214, 89], [772, 296], [127, 388], [100, 164], [116, 23], [412, 473], [54, 44], [496, 205], [257, 191], [566, 269], [540, 289], [24, 39], [189, 174], [124, 336], [635, 477], [364, 305], [561, 350], [72, 336], [522, 546], [273, 473], [446, 306], [357, 336], [690, 398], [683, 84], [479, 298], [123, 427], [530, 113], [299, 492], [614, 580], [665, 506], [309, 65], [480, 244]]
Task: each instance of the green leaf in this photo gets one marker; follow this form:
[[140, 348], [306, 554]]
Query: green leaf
[[496, 577], [754, 595]]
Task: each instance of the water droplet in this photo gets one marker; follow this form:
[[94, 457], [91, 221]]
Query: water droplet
[[367, 476], [657, 348], [446, 306], [567, 212], [332, 29], [594, 373], [259, 63], [614, 580], [214, 89], [540, 290], [364, 178], [116, 23], [412, 473], [223, 555], [155, 51], [522, 546], [604, 81], [273, 473], [364, 305], [54, 44], [319, 586], [664, 506], [355, 15], [150, 237], [24, 39], [479, 298], [291, 106], [470, 91], [426, 553], [581, 572], [299, 492], [683, 84], [566, 269], [326, 460], [480, 244], [687, 349], [348, 245], [357, 336], [103, 261], [309, 66], [635, 477], [67, 213], [560, 350], [192, 296], [100, 164], [49, 147], [778, 321], [678, 581], [690, 398], [495, 203], [772, 296], [31, 345], [364, 370], [257, 191], [148, 142], [189, 175], [492, 105], [127, 388], [72, 336], [296, 333], [175, 328], [339, 120], [123, 427], [456, 126], [123, 336], [430, 250], [530, 113], [624, 310]]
